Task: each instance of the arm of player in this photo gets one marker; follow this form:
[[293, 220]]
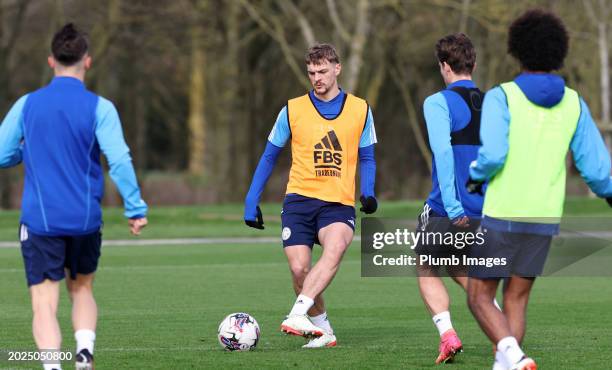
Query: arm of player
[[11, 135], [438, 121], [494, 126], [110, 138], [276, 141], [367, 166], [590, 154]]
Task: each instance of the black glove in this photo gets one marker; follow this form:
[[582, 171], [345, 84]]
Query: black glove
[[474, 186], [258, 223], [368, 204], [609, 200]]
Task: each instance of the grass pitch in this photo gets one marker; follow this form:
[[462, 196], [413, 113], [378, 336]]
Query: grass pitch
[[160, 305]]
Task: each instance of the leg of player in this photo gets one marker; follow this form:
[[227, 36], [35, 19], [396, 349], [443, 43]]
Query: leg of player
[[84, 317], [437, 301], [494, 323], [516, 296], [462, 280], [45, 327], [299, 258], [334, 239]]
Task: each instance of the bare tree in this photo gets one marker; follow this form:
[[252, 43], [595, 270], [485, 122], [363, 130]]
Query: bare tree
[[197, 92], [355, 41], [600, 18]]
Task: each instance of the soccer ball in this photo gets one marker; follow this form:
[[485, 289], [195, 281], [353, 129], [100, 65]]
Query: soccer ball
[[238, 332]]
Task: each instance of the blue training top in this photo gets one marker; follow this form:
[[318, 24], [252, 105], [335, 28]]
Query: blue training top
[[445, 113], [59, 131]]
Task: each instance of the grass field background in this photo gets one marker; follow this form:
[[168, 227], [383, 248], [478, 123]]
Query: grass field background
[[160, 305]]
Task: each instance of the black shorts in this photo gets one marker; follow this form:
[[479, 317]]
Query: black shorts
[[46, 257], [506, 254], [432, 225]]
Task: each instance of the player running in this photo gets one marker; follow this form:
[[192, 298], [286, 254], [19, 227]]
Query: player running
[[58, 132], [453, 124], [528, 125], [330, 131]]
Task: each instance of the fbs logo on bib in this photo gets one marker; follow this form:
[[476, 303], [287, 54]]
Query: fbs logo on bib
[[327, 156]]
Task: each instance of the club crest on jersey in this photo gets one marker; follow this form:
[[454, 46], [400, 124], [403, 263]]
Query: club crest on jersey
[[327, 156]]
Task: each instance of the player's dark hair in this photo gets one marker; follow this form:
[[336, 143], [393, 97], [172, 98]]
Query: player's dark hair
[[458, 52], [69, 45], [320, 52], [539, 40]]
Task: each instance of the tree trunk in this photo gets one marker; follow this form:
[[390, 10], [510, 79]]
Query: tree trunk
[[604, 74], [355, 60], [197, 93], [236, 139]]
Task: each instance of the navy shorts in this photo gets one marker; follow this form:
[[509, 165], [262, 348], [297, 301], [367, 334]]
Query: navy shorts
[[302, 218], [509, 254], [46, 257]]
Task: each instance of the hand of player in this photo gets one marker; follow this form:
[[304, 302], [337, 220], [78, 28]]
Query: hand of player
[[462, 222], [474, 187], [609, 200], [256, 222], [137, 224], [369, 204]]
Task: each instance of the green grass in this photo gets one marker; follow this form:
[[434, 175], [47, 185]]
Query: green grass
[[160, 306], [226, 220]]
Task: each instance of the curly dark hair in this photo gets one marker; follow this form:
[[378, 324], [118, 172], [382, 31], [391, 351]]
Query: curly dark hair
[[539, 40], [458, 52]]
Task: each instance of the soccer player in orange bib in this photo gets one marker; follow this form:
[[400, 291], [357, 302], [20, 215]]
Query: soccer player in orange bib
[[330, 131]]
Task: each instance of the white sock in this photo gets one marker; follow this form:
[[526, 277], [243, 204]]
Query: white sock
[[322, 322], [501, 360], [85, 339], [52, 366], [302, 305], [510, 349], [496, 304], [443, 322]]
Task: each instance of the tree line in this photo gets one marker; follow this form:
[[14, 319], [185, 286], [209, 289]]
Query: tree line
[[198, 83]]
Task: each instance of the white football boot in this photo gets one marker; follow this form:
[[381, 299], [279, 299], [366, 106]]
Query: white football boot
[[324, 341], [301, 325]]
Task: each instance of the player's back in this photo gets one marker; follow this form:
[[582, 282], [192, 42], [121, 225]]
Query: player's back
[[64, 182], [463, 101]]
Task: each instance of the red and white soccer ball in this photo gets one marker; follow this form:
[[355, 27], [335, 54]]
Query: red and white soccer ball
[[238, 332]]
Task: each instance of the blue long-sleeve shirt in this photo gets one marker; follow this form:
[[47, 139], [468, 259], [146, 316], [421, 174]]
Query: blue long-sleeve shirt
[[446, 112], [280, 134], [588, 149], [58, 132]]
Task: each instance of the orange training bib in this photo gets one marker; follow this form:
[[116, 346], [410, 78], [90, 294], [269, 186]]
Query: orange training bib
[[325, 151]]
